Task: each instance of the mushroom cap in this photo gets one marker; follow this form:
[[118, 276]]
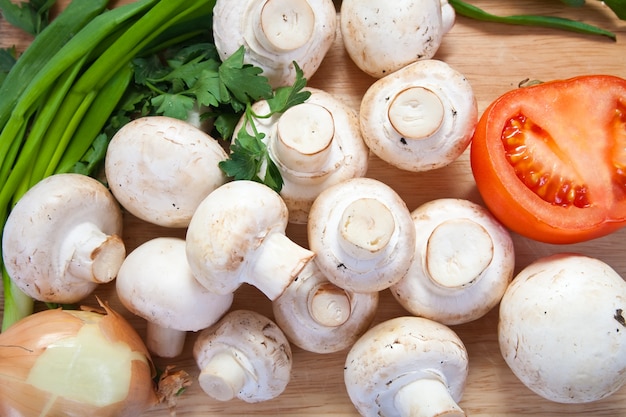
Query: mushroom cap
[[156, 283], [226, 230], [296, 312], [561, 328], [398, 351], [381, 39], [241, 22], [160, 168], [38, 237], [305, 175], [382, 223], [419, 118], [464, 261], [258, 344]]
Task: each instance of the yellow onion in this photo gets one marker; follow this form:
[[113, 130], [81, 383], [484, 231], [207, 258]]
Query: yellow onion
[[74, 363]]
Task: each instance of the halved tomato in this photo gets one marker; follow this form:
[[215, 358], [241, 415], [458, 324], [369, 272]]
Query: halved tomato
[[550, 160]]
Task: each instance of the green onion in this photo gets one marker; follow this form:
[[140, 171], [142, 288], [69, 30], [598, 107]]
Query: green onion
[[473, 12], [43, 48], [93, 121]]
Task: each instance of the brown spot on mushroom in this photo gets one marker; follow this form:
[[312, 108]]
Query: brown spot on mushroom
[[619, 317]]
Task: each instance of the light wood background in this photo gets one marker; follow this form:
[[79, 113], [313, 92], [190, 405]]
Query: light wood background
[[495, 58]]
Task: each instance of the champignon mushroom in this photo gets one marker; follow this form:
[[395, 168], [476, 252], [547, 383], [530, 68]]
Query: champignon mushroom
[[62, 239], [381, 36], [419, 118], [407, 366], [464, 261], [362, 234], [320, 317], [244, 355], [237, 235], [275, 33], [314, 145], [562, 328], [156, 283], [160, 168]]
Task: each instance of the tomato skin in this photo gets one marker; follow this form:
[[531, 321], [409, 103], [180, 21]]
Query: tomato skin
[[581, 117]]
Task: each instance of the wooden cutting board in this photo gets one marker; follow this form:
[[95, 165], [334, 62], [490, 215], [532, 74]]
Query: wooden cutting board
[[495, 59]]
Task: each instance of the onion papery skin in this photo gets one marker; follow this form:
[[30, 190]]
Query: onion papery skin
[[74, 363]]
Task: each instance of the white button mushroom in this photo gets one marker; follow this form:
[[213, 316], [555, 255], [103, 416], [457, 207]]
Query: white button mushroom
[[275, 33], [160, 168], [408, 367], [562, 328], [156, 283], [314, 145], [320, 317], [62, 239], [419, 118], [381, 36], [237, 235], [245, 355], [363, 235], [464, 261]]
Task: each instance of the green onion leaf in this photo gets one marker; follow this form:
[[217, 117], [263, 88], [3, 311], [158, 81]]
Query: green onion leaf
[[473, 12]]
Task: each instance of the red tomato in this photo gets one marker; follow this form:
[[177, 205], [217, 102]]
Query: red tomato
[[550, 160]]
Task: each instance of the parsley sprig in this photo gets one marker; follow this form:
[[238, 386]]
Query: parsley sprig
[[177, 81], [31, 16], [249, 156], [8, 58]]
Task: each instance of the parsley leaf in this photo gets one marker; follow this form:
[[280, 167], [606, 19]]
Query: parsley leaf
[[244, 82], [173, 105], [31, 16], [249, 157], [93, 156], [285, 97], [8, 58], [207, 89], [176, 82], [225, 122]]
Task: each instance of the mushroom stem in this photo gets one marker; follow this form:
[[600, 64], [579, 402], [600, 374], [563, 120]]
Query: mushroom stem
[[93, 255], [366, 228], [278, 261], [163, 341], [329, 305], [223, 377], [304, 134], [284, 25], [449, 263], [426, 398], [416, 113]]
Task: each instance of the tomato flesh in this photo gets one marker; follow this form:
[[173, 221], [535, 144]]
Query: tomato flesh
[[619, 160], [532, 164], [550, 160]]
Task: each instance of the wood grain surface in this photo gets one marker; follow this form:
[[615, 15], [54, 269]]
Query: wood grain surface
[[495, 59]]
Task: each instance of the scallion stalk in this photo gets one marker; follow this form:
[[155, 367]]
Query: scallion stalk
[[554, 22], [43, 48]]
